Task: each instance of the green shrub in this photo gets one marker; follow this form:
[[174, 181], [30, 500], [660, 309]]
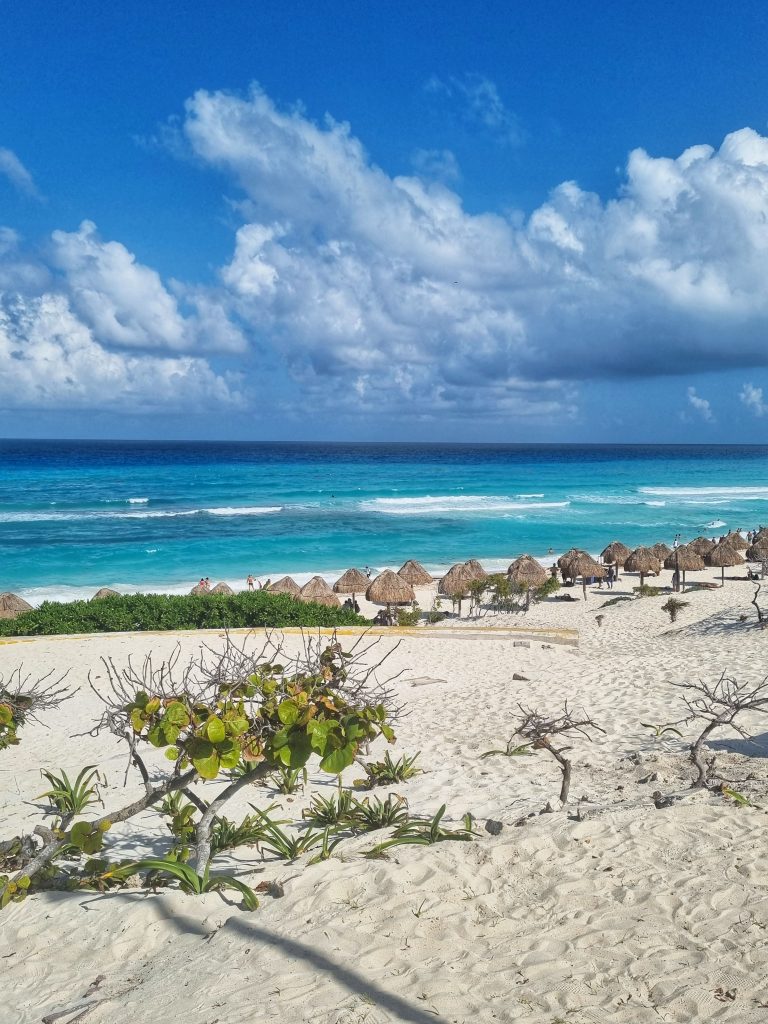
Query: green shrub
[[673, 605], [408, 616], [647, 591], [136, 612], [547, 589]]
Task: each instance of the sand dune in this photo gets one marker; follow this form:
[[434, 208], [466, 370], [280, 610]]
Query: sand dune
[[633, 913]]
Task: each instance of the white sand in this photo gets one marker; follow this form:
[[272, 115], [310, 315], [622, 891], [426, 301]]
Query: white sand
[[633, 914]]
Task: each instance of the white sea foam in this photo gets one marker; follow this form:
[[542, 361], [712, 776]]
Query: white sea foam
[[99, 514], [734, 493], [138, 501], [447, 504]]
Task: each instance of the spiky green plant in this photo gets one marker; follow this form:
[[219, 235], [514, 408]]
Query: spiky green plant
[[372, 813], [69, 799], [287, 780], [193, 883], [388, 771], [511, 750], [327, 847], [228, 835], [661, 730], [416, 832], [282, 843], [334, 810]]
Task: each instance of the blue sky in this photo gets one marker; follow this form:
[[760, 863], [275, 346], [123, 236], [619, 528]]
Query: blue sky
[[380, 220]]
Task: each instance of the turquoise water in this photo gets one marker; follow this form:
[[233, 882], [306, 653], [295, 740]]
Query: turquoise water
[[75, 516]]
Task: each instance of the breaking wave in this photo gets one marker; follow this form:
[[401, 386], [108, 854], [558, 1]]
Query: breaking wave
[[447, 504]]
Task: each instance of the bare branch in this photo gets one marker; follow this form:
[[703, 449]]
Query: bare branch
[[538, 728]]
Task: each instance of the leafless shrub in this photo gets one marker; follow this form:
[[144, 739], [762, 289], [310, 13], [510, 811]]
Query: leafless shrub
[[718, 705]]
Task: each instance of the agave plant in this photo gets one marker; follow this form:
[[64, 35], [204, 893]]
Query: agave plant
[[228, 835], [327, 847], [371, 814], [388, 771], [661, 730], [424, 833], [194, 884], [282, 843], [286, 780], [511, 750], [71, 798], [334, 810]]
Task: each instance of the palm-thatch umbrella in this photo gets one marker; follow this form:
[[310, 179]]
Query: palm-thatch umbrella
[[317, 590], [222, 588], [615, 554], [199, 588], [12, 605], [736, 541], [564, 562], [475, 570], [527, 574], [684, 559], [661, 550], [352, 582], [104, 592], [758, 552], [415, 574], [702, 545], [721, 556], [389, 588], [455, 583], [581, 563], [642, 560], [285, 585]]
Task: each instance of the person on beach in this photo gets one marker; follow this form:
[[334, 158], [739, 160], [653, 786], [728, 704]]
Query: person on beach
[[610, 577], [368, 571], [249, 581]]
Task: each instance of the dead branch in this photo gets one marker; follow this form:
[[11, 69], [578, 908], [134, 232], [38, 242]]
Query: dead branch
[[29, 698], [538, 729], [718, 705]]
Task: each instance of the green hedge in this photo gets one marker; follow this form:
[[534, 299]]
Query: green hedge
[[131, 612]]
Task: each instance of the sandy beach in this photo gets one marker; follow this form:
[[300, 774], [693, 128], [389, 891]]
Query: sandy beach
[[632, 913]]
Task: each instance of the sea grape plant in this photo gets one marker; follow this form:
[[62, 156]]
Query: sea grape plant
[[214, 716]]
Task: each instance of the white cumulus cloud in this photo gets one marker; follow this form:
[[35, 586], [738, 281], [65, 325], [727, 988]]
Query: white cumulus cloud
[[752, 397], [14, 170], [701, 405]]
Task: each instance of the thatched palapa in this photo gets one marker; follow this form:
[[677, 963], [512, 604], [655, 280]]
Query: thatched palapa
[[455, 583], [661, 550], [12, 605], [222, 588], [736, 541], [723, 556], [286, 585], [758, 552], [643, 560], [526, 573], [352, 582], [615, 554], [104, 592], [475, 571], [684, 559], [317, 590], [199, 588], [702, 545], [388, 588], [415, 574]]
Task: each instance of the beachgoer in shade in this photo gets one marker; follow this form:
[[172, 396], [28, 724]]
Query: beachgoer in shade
[[610, 577], [250, 582]]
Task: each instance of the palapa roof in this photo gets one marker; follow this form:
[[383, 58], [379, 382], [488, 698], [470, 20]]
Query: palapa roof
[[352, 582], [723, 555], [390, 588], [318, 590], [736, 541], [642, 560], [684, 558], [12, 605], [526, 572], [475, 570], [199, 589], [758, 552], [221, 588], [104, 592], [415, 574], [569, 555], [285, 585], [701, 545], [661, 550], [456, 581], [615, 552]]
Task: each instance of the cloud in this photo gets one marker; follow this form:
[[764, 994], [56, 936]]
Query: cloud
[[439, 164], [384, 286], [50, 359], [14, 170], [701, 405], [479, 106], [752, 397]]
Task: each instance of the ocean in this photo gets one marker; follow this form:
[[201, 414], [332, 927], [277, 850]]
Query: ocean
[[76, 516]]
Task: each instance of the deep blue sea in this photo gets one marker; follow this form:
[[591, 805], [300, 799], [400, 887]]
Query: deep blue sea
[[75, 516]]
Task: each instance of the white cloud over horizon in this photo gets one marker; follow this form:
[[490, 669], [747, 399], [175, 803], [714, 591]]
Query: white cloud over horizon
[[752, 397], [381, 292]]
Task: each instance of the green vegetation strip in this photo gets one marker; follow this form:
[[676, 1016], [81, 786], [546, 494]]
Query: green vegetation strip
[[146, 612]]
